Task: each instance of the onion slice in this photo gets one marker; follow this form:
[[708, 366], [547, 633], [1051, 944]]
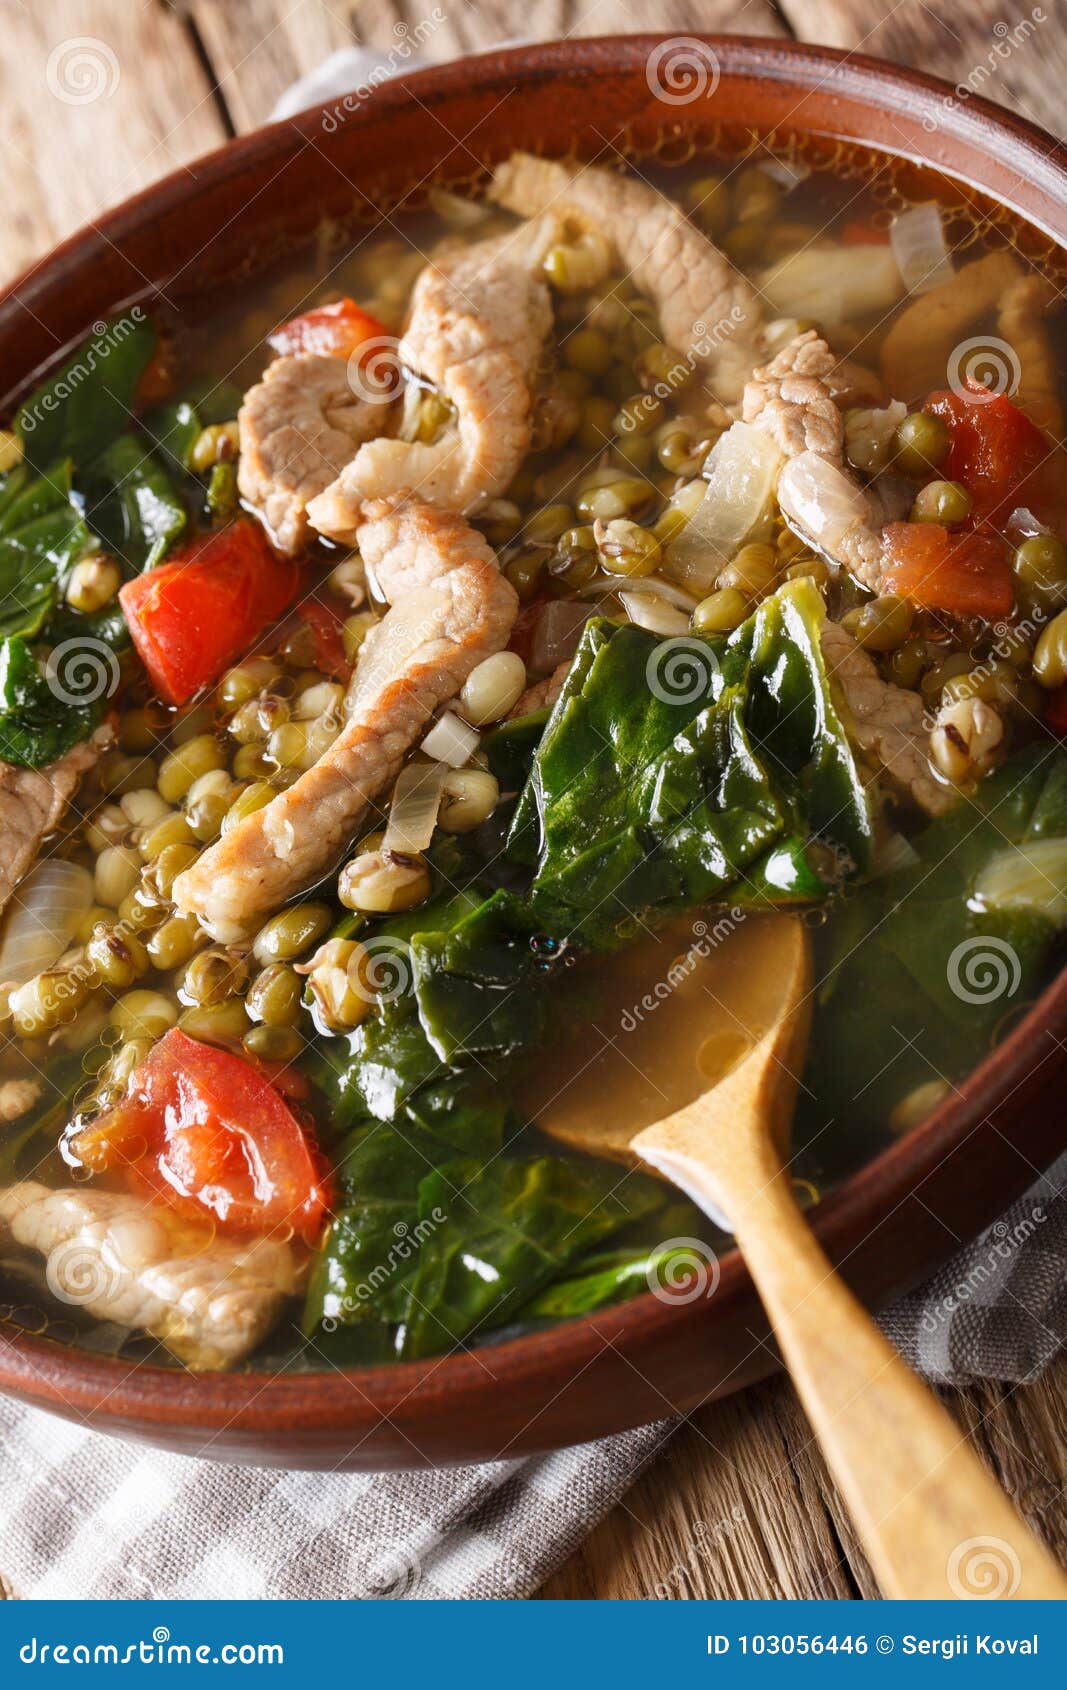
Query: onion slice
[[413, 811], [740, 471], [648, 610], [45, 912], [917, 238], [451, 740]]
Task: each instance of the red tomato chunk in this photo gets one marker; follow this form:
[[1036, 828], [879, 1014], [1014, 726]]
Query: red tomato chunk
[[335, 331], [963, 574], [205, 1130], [999, 455], [194, 616]]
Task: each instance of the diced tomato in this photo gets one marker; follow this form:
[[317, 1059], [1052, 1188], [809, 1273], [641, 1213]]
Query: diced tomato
[[999, 455], [335, 330], [195, 615], [859, 232], [205, 1130], [1056, 711], [326, 623], [963, 574]]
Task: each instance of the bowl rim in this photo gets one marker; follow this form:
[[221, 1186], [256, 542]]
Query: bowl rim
[[75, 1380]]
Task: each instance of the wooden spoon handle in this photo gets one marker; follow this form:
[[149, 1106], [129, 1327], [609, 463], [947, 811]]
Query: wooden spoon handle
[[933, 1521]]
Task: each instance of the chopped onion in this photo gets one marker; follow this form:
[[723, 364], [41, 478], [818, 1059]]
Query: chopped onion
[[832, 283], [1026, 877], [787, 176], [894, 853], [821, 502], [451, 740], [917, 240], [740, 471], [650, 611], [660, 589], [457, 212], [1022, 524], [557, 634], [413, 811], [43, 919]]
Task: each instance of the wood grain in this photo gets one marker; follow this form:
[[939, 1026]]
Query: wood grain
[[99, 98], [739, 1503], [1006, 54]]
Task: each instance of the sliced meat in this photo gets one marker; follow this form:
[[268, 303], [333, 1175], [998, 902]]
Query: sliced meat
[[476, 330], [917, 350], [885, 723], [299, 426], [211, 1302], [542, 693], [33, 802], [707, 309], [1021, 322], [791, 399], [450, 609]]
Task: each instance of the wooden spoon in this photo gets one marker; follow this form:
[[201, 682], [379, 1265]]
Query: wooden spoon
[[733, 1008]]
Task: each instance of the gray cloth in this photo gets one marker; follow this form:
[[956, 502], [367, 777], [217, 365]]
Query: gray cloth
[[86, 1516], [82, 1515]]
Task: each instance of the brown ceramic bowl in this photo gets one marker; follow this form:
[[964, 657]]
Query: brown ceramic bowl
[[891, 1223]]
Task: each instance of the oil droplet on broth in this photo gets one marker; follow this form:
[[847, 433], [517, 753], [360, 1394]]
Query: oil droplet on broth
[[720, 1054]]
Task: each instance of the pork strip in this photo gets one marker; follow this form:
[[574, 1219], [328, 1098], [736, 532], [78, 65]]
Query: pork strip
[[706, 308], [137, 1263], [33, 802], [885, 722], [450, 609], [299, 426], [476, 332]]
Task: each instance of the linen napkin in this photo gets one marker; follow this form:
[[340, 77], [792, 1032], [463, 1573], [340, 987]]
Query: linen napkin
[[83, 1515], [86, 1516]]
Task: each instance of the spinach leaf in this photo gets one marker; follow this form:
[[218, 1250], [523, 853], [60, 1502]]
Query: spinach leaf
[[173, 429], [501, 1232], [679, 772], [925, 969], [42, 536], [78, 411], [38, 719], [133, 504]]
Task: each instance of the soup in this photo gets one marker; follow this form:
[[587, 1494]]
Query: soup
[[413, 674]]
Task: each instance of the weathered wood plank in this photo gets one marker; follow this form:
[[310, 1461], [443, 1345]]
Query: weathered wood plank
[[99, 99], [258, 47], [740, 1503], [1015, 56]]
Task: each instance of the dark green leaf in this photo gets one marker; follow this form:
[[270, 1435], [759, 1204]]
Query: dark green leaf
[[133, 504], [78, 411], [42, 536], [679, 772], [494, 1236], [38, 722]]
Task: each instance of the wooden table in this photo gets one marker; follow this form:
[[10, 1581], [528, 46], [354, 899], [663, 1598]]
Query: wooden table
[[740, 1504]]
